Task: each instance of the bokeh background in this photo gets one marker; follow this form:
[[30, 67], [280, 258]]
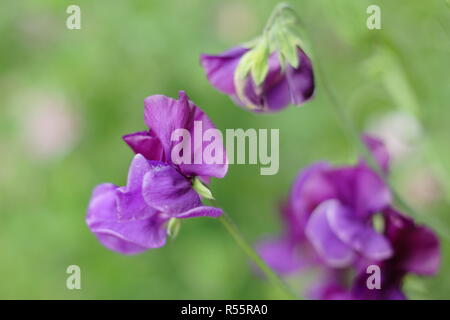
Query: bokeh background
[[67, 96]]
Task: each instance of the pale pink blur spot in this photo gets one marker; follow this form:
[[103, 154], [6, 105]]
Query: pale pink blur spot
[[423, 188], [399, 131], [50, 126]]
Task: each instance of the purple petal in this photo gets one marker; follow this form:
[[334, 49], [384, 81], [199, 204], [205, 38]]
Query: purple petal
[[204, 170], [361, 189], [335, 253], [372, 194], [378, 150], [390, 286], [282, 87], [202, 211], [168, 191], [358, 234], [220, 68], [416, 247], [329, 292], [311, 187], [296, 87], [280, 254], [330, 286], [145, 143], [164, 115], [123, 236], [130, 203]]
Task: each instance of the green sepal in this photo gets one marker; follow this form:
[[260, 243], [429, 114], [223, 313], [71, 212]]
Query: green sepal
[[255, 62], [173, 227], [202, 189]]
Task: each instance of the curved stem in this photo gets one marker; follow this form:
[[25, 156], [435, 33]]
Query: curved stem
[[275, 13], [233, 230]]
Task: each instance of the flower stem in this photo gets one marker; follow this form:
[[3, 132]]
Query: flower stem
[[274, 15], [276, 281]]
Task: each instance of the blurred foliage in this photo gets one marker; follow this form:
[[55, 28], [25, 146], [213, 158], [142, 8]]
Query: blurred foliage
[[127, 50]]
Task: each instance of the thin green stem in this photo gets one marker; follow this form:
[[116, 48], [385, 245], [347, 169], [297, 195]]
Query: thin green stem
[[235, 233], [275, 13]]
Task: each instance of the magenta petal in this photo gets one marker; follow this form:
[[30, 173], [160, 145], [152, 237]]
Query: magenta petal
[[358, 234], [329, 291], [280, 254], [417, 248], [361, 189], [335, 253], [163, 115], [311, 188], [390, 287], [282, 87], [202, 211], [372, 194], [218, 170], [123, 236], [220, 68], [296, 87], [130, 203], [168, 191], [378, 150], [330, 285], [145, 143]]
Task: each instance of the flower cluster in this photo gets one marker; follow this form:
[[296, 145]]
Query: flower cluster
[[338, 220], [133, 218], [333, 217]]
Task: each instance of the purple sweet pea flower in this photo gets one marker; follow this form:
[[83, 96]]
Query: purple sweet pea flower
[[416, 250], [270, 72], [133, 218], [163, 116], [332, 209], [281, 86], [329, 226], [331, 285]]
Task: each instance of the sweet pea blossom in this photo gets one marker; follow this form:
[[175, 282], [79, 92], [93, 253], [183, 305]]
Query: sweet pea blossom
[[329, 225], [268, 74], [331, 209], [416, 251], [133, 218], [163, 116], [281, 86]]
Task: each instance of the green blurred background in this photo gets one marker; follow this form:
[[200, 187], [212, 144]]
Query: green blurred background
[[67, 96]]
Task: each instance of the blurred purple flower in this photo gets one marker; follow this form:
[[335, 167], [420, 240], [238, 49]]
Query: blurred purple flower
[[133, 218], [332, 209], [283, 85], [416, 250], [329, 225]]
